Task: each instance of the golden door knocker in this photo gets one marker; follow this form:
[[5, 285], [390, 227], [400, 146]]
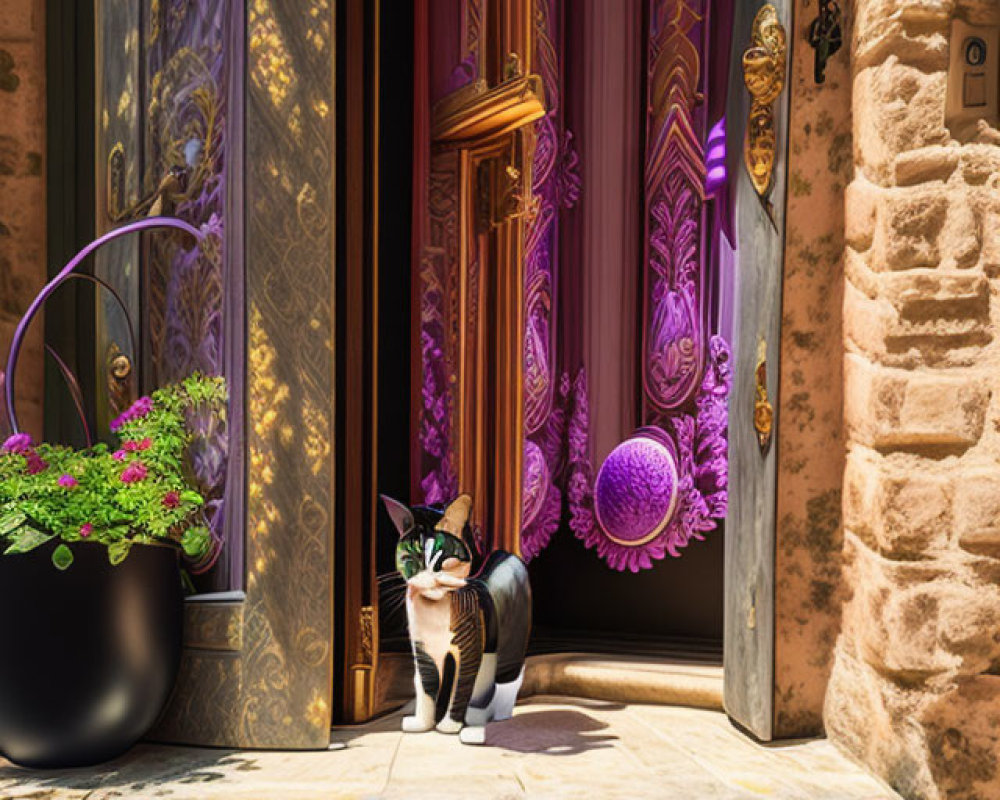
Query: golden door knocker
[[763, 411], [764, 63]]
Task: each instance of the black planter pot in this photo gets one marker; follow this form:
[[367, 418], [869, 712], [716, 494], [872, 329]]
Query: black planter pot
[[87, 656]]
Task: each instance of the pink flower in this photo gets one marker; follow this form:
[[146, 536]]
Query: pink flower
[[35, 463], [134, 472], [18, 443], [145, 444], [86, 529], [133, 447], [141, 407], [119, 455], [171, 500], [137, 410], [129, 447], [68, 481]]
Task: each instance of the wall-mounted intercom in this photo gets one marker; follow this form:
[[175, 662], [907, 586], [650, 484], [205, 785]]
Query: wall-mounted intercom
[[973, 76]]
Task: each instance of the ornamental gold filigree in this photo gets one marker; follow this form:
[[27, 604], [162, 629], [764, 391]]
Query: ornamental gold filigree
[[764, 63], [763, 411]]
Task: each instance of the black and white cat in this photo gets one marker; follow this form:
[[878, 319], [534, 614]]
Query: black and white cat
[[469, 634]]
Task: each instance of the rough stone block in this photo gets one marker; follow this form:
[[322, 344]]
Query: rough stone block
[[980, 162], [865, 322], [896, 108], [862, 716], [872, 16], [894, 509], [861, 201], [961, 240], [937, 311], [859, 275], [977, 511], [910, 222], [920, 620], [914, 45], [925, 164], [991, 243], [934, 293], [891, 408]]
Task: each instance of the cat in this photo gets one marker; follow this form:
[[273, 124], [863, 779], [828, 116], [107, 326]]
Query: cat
[[469, 634]]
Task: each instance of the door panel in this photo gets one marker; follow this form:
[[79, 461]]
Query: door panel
[[748, 643], [223, 114]]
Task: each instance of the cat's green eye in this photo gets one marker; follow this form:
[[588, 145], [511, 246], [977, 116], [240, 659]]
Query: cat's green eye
[[407, 564]]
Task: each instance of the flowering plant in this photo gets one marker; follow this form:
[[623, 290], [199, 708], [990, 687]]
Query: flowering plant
[[140, 493]]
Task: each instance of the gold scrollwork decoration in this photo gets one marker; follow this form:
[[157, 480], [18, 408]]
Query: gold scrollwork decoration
[[763, 411], [366, 633], [764, 65]]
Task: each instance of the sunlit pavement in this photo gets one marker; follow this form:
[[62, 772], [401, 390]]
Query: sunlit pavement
[[553, 748]]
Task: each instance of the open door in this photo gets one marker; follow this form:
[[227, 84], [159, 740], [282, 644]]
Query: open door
[[757, 117], [222, 113]]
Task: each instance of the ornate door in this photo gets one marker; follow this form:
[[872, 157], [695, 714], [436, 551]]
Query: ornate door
[[473, 195], [204, 111]]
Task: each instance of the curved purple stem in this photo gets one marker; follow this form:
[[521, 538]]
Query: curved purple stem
[[51, 286], [83, 276], [74, 390]]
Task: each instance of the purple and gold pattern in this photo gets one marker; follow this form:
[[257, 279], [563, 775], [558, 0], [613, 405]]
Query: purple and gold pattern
[[555, 185], [667, 483], [438, 301], [674, 342], [187, 61]]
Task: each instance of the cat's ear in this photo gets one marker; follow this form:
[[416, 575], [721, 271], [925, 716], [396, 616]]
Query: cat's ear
[[456, 515], [401, 515]]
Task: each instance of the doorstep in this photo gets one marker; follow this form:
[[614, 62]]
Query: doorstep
[[625, 679]]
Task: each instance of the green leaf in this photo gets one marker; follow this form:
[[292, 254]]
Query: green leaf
[[192, 497], [27, 539], [117, 551], [195, 541], [11, 521], [62, 557]]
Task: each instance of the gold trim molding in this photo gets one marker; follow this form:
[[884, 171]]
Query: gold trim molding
[[491, 114]]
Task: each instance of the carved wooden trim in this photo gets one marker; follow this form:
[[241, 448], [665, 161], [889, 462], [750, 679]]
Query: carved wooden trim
[[495, 113]]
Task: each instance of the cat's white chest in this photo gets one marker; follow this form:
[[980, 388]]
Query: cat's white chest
[[430, 624]]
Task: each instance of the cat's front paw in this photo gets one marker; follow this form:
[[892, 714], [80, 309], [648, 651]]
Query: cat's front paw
[[448, 725], [416, 725], [473, 734]]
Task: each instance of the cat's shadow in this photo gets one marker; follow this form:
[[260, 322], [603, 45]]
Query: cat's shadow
[[551, 731]]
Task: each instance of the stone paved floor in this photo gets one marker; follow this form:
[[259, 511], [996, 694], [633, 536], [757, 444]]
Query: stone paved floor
[[553, 748]]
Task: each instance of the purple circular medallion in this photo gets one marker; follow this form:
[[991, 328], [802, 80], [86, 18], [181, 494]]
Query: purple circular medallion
[[636, 491]]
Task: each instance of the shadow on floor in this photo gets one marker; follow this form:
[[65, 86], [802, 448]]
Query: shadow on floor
[[552, 732], [143, 768]]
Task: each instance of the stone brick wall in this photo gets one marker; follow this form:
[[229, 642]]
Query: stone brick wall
[[915, 688], [22, 192]]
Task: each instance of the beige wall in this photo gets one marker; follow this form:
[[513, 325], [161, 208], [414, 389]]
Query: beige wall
[[810, 444], [915, 689], [22, 191]]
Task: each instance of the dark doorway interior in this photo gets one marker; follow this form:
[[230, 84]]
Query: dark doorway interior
[[394, 359], [673, 609]]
